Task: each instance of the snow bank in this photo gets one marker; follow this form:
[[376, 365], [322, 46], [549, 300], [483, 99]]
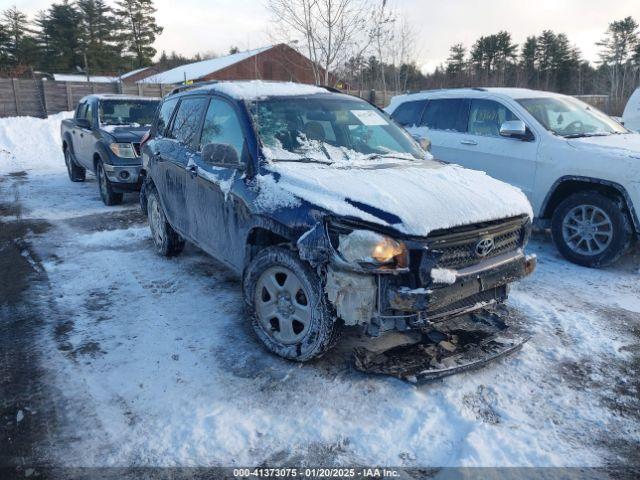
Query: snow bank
[[29, 143], [255, 89]]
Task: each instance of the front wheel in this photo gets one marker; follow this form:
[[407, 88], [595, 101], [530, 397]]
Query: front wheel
[[108, 195], [591, 229], [287, 305]]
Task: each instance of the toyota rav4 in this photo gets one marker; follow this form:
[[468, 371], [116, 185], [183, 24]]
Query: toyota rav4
[[331, 213]]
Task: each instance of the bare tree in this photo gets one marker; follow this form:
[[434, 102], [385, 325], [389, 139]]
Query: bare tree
[[326, 27]]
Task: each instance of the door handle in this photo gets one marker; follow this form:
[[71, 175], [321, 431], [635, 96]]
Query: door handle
[[468, 142]]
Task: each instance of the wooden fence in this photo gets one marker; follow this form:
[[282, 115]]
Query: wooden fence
[[39, 98]]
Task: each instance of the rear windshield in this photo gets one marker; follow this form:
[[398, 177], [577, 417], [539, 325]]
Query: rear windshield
[[127, 112]]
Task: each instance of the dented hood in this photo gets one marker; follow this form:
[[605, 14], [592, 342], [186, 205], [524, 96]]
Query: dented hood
[[414, 198]]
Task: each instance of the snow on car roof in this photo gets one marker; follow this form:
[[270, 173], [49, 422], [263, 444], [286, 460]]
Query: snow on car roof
[[515, 93], [254, 89], [196, 70]]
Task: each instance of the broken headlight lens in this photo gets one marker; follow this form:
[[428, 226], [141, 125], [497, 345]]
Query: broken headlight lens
[[123, 150], [364, 247]]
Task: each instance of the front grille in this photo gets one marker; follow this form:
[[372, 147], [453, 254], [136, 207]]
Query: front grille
[[136, 148], [458, 249]]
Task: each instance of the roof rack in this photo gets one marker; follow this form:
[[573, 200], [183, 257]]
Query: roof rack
[[182, 88]]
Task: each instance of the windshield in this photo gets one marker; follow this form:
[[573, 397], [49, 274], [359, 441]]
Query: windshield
[[328, 130], [570, 117], [127, 112]]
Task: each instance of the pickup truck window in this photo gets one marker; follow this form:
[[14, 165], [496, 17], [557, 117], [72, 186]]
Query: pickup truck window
[[81, 111], [186, 123], [89, 113], [486, 117], [127, 112]]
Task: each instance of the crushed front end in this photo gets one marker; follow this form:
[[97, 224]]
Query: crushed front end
[[421, 284]]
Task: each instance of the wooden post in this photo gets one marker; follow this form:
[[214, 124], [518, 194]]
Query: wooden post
[[69, 99], [140, 90], [16, 95], [162, 90], [43, 94]]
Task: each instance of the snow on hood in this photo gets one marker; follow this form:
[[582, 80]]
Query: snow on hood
[[626, 145], [126, 133], [414, 198]]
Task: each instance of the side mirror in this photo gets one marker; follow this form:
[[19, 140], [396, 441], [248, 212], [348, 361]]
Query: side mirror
[[514, 129], [83, 123], [425, 143], [221, 155]]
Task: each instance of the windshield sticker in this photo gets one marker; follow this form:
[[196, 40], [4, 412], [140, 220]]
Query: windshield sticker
[[369, 117]]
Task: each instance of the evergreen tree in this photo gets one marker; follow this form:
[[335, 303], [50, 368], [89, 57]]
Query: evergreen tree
[[138, 29], [96, 35], [456, 62], [528, 61], [60, 29], [20, 47]]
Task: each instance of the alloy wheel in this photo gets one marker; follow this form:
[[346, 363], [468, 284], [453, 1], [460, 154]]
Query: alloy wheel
[[155, 221], [587, 230], [282, 305]]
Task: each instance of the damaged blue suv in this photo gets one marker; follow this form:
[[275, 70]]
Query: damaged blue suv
[[331, 213]]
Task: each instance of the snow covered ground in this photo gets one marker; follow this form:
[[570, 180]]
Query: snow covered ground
[[144, 360]]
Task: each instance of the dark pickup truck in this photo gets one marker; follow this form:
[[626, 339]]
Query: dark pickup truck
[[104, 137]]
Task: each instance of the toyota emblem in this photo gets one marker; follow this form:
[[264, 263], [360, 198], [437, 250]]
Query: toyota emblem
[[484, 247]]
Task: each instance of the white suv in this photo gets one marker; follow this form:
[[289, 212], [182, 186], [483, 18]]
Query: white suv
[[578, 167]]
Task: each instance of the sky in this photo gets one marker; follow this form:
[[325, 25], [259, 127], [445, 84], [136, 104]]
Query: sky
[[192, 26]]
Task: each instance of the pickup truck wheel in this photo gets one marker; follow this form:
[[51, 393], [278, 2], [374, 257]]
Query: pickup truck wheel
[[76, 173], [109, 197], [287, 305], [167, 241], [591, 229]]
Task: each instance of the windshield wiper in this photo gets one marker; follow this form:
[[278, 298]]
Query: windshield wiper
[[377, 156], [582, 135], [302, 160]]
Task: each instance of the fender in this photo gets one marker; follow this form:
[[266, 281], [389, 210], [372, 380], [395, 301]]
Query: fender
[[596, 181], [67, 138]]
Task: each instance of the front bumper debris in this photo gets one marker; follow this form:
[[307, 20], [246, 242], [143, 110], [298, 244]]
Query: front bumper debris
[[474, 288], [458, 345]]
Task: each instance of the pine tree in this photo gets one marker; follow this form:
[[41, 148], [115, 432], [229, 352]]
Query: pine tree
[[456, 62], [19, 45], [138, 29], [96, 35], [61, 29]]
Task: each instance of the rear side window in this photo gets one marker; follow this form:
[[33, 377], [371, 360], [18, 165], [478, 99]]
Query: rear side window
[[81, 111], [409, 113], [186, 123], [447, 114], [486, 117], [165, 115]]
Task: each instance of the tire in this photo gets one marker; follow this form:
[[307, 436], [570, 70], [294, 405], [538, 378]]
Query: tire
[[108, 195], [167, 241], [280, 290], [591, 229], [76, 173]]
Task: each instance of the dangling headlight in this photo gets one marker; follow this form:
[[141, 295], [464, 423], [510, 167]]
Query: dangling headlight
[[364, 247]]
